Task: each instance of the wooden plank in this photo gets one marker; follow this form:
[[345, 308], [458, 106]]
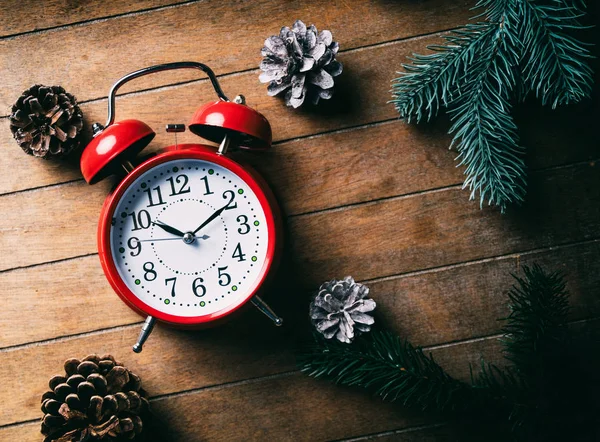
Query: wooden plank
[[330, 243], [52, 13], [438, 228], [52, 292], [438, 306], [200, 31], [185, 361], [174, 361], [388, 156], [457, 303]]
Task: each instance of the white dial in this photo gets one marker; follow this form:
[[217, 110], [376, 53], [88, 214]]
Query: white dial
[[189, 237]]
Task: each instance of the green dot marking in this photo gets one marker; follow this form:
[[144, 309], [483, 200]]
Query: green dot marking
[[254, 258], [240, 191], [121, 250], [234, 288], [256, 223], [123, 214], [143, 185], [167, 301], [202, 304], [138, 282], [175, 169], [210, 171]]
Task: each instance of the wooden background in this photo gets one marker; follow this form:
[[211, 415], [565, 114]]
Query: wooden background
[[363, 194]]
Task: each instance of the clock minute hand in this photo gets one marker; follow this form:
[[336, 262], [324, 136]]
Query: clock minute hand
[[168, 228], [210, 218]]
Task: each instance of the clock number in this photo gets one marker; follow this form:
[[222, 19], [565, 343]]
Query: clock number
[[243, 220], [180, 179], [151, 202], [229, 194], [167, 280], [134, 244], [142, 221], [237, 253], [149, 270], [205, 179], [196, 285], [224, 278]]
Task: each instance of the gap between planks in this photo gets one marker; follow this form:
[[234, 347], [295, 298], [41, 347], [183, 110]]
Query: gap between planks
[[393, 432], [514, 255], [105, 18]]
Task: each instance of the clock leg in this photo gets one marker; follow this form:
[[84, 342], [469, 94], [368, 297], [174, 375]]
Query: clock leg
[[264, 307], [144, 333]]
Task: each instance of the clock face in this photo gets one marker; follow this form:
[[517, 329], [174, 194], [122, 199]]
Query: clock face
[[189, 238]]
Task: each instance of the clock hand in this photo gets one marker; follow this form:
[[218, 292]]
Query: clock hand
[[168, 228], [210, 218], [170, 239]]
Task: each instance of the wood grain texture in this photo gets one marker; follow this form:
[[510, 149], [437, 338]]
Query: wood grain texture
[[51, 13], [437, 228], [200, 31], [188, 361]]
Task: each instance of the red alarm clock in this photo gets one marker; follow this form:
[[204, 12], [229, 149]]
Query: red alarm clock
[[189, 235]]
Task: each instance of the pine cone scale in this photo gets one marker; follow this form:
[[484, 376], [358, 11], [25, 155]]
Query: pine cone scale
[[99, 399]]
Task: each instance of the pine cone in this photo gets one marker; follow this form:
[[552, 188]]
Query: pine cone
[[46, 121], [340, 309], [301, 62], [97, 399]]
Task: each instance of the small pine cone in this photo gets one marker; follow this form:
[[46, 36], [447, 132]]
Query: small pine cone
[[340, 309], [301, 63], [46, 121], [96, 399]]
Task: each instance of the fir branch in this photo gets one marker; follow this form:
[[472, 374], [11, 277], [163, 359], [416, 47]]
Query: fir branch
[[539, 307], [522, 47], [555, 64], [391, 368], [485, 133]]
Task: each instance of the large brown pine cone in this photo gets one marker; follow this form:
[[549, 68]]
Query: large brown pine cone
[[97, 400], [46, 121]]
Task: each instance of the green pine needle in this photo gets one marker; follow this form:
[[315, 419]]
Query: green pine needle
[[539, 307], [523, 46], [554, 64], [395, 370]]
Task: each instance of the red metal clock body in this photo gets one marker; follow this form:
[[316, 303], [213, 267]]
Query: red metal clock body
[[147, 234]]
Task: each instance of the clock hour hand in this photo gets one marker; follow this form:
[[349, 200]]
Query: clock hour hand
[[168, 228], [210, 218]]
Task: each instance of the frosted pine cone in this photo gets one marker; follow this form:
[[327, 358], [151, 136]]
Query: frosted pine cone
[[340, 309], [300, 63]]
